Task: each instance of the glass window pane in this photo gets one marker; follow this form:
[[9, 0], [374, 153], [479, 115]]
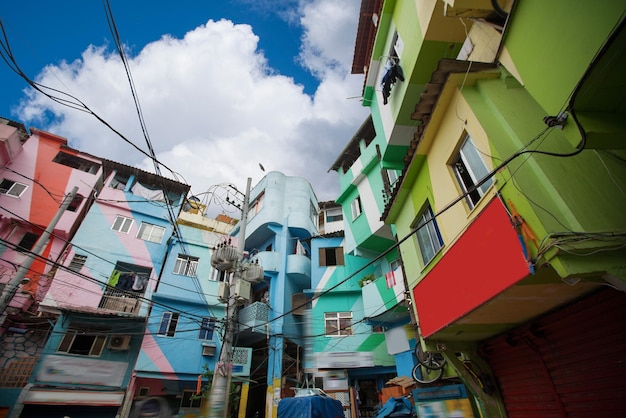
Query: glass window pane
[[475, 164]]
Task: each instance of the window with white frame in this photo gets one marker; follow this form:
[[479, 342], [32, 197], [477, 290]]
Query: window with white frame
[[152, 233], [122, 224], [186, 265], [217, 276], [334, 215], [169, 320], [206, 329], [12, 188], [429, 239], [82, 341], [356, 208], [392, 176], [338, 323], [469, 169]]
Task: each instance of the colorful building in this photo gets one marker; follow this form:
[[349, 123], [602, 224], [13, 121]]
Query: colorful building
[[507, 119], [101, 294], [283, 215], [181, 344], [39, 172]]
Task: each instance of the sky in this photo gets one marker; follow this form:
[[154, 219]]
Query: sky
[[224, 87]]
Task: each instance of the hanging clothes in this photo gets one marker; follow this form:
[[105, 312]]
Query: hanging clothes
[[115, 277], [125, 281], [139, 283], [394, 73]]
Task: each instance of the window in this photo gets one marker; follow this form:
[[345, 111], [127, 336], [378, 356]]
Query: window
[[76, 162], [188, 400], [356, 208], [186, 265], [75, 203], [332, 256], [122, 224], [28, 241], [334, 215], [256, 206], [83, 342], [392, 176], [428, 237], [168, 324], [338, 323], [118, 182], [393, 72], [217, 276], [206, 329], [313, 210], [78, 261], [469, 169], [152, 233], [395, 264], [12, 188]]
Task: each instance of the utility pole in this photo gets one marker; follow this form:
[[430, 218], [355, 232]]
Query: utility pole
[[220, 388], [37, 250]]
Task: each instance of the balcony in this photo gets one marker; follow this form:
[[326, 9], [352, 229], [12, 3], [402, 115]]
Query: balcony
[[299, 269], [120, 301], [254, 317], [382, 298], [270, 260]]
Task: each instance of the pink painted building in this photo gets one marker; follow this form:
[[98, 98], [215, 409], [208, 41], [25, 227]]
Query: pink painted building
[[38, 170]]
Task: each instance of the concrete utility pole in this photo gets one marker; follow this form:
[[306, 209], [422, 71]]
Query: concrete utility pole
[[37, 250], [220, 388]]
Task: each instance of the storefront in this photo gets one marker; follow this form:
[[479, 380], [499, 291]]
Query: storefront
[[569, 362]]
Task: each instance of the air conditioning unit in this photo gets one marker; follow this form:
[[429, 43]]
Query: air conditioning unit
[[242, 290], [119, 342], [222, 292], [208, 349]]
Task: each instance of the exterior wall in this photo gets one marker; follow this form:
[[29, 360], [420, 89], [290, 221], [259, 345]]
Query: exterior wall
[[534, 37], [283, 215], [110, 369], [194, 297], [47, 182], [537, 240], [74, 290], [344, 297]]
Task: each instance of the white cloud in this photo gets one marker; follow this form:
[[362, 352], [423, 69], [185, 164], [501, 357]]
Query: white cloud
[[213, 108]]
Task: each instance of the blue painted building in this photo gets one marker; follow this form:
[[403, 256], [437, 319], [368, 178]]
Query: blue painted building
[[101, 294], [182, 339], [283, 215]]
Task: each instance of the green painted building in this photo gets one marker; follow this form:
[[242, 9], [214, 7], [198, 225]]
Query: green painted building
[[505, 121]]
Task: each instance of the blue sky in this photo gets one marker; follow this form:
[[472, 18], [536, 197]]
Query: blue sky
[[223, 85]]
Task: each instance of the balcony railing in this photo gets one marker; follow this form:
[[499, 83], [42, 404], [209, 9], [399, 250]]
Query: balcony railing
[[120, 301], [254, 317]]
